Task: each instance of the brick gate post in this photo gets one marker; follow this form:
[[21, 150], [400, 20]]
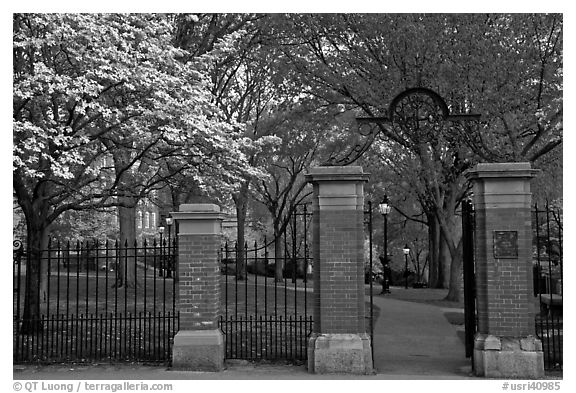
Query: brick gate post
[[505, 345], [339, 342], [199, 344]]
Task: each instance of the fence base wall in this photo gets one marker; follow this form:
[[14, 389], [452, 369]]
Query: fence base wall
[[198, 350], [508, 357], [340, 353]]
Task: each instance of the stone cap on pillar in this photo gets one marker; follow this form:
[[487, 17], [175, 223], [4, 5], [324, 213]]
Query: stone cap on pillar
[[502, 170], [338, 173], [502, 185], [199, 218], [337, 187]]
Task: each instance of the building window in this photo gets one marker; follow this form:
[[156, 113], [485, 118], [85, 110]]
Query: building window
[[147, 220], [153, 220], [139, 220]]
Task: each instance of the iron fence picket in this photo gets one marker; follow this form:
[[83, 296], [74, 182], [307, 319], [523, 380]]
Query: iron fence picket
[[255, 278], [87, 275]]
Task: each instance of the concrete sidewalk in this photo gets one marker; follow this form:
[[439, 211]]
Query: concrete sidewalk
[[411, 341]]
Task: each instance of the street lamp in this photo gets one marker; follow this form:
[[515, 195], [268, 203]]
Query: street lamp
[[169, 222], [161, 231], [406, 251], [384, 208]]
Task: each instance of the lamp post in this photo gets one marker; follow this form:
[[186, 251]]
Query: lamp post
[[384, 208], [161, 231], [169, 222], [406, 251]]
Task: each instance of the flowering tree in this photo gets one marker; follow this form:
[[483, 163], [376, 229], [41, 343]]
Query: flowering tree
[[101, 104]]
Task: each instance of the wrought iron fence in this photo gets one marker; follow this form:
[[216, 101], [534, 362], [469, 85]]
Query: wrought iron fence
[[95, 302], [267, 305], [548, 282]]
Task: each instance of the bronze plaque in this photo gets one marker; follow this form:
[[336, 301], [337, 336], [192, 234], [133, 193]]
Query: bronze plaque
[[505, 244]]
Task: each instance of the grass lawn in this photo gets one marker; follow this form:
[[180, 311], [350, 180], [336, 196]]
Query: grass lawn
[[264, 297], [94, 293], [432, 296]]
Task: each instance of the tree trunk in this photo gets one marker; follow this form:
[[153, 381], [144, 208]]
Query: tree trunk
[[241, 244], [434, 269], [126, 250], [454, 292], [126, 272], [455, 271], [35, 294], [444, 261], [279, 260], [452, 252], [241, 202]]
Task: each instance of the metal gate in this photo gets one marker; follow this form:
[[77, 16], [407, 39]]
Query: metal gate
[[370, 274], [548, 282], [85, 314], [268, 314], [468, 225]]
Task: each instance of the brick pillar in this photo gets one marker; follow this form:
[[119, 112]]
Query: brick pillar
[[199, 344], [505, 345], [339, 342]]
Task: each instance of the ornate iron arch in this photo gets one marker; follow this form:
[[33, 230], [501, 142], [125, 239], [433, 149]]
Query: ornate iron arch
[[411, 106], [422, 94]]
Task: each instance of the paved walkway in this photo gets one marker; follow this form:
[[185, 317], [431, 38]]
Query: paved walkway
[[412, 341], [417, 340]]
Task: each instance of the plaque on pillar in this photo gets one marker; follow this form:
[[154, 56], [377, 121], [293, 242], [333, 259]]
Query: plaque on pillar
[[505, 244]]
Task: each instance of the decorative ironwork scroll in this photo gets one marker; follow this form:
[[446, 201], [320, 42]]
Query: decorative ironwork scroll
[[418, 114]]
